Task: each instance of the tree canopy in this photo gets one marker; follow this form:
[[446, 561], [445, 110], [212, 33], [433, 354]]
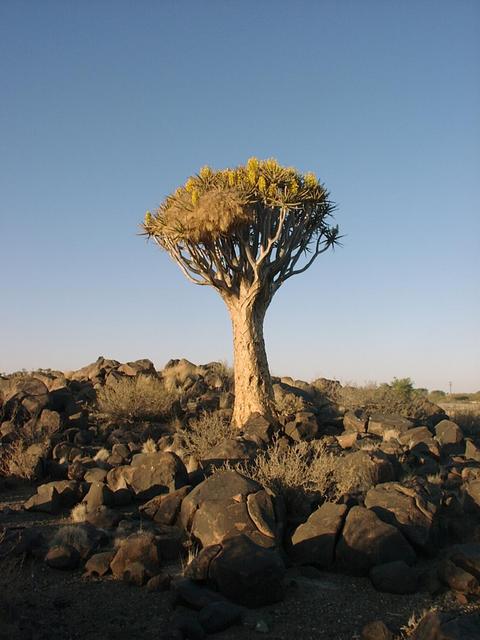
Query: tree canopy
[[249, 223]]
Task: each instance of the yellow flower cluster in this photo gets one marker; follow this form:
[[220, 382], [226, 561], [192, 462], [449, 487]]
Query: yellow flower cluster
[[214, 202]]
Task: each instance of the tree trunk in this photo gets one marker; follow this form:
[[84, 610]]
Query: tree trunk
[[253, 384]]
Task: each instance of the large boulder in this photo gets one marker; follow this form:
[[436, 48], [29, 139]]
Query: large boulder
[[156, 473], [314, 541], [228, 504], [242, 571], [411, 509], [367, 541]]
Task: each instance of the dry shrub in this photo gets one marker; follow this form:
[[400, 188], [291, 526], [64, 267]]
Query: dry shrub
[[138, 398], [302, 468], [205, 432], [16, 462]]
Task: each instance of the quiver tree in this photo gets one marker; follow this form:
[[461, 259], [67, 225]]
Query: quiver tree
[[245, 231]]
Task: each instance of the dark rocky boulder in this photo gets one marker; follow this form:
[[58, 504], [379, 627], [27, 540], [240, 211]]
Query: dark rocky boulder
[[411, 509], [247, 573], [156, 473], [313, 542], [165, 508], [380, 424], [228, 504], [137, 559], [395, 577], [366, 541]]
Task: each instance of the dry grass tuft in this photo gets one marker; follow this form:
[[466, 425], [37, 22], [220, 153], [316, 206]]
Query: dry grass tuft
[[79, 513], [135, 399], [205, 432], [149, 446], [72, 535]]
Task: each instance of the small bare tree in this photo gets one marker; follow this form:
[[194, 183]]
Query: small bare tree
[[245, 231]]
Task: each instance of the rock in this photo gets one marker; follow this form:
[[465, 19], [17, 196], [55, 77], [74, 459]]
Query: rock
[[420, 436], [411, 510], [394, 577], [303, 428], [160, 582], [436, 625], [155, 473], [366, 541], [99, 564], [368, 468], [234, 449], [63, 557], [314, 541], [218, 616], [220, 507], [52, 497], [457, 578], [466, 556], [137, 558], [144, 366], [259, 428], [472, 452], [120, 477], [95, 474], [247, 573], [347, 439], [378, 424], [355, 421], [165, 508], [99, 494], [447, 432], [376, 630]]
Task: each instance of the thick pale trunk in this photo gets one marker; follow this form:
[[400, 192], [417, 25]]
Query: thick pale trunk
[[253, 384]]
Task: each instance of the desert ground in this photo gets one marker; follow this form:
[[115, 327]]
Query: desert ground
[[129, 507]]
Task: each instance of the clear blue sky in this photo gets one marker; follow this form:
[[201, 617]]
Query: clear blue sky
[[106, 106]]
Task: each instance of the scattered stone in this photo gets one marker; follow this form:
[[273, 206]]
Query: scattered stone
[[63, 557], [99, 564], [165, 508]]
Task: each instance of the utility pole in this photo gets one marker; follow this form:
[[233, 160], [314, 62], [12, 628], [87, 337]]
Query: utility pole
[[450, 385]]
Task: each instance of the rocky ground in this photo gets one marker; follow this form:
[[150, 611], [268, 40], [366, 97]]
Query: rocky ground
[[124, 511]]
